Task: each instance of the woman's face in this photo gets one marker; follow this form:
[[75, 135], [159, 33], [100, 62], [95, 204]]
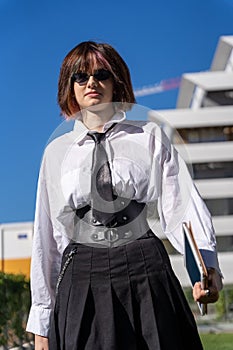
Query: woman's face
[[94, 91]]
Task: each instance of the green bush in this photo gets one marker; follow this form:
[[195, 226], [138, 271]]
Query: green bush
[[224, 302], [15, 304]]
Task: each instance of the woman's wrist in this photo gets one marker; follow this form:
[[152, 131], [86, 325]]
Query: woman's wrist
[[41, 343]]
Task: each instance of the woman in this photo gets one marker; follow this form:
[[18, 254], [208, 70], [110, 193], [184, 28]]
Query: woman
[[100, 278]]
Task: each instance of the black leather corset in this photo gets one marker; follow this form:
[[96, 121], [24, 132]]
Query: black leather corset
[[128, 223]]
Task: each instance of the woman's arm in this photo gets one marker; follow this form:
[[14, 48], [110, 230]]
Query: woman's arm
[[180, 202], [45, 262]]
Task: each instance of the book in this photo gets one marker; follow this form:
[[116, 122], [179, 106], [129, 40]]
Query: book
[[194, 263]]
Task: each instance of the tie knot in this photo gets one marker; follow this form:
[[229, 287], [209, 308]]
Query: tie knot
[[96, 136]]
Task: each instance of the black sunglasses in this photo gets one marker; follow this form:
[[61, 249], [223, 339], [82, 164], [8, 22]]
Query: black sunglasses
[[82, 78]]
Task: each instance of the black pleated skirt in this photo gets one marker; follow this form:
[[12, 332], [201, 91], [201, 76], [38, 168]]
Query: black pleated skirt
[[123, 298]]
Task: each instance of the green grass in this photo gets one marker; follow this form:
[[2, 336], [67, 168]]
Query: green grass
[[222, 341]]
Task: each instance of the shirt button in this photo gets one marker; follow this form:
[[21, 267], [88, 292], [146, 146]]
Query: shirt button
[[125, 218]]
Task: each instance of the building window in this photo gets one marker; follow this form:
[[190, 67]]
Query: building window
[[220, 206], [207, 134], [212, 170], [224, 243], [218, 98]]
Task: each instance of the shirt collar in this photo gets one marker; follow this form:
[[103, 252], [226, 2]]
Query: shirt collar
[[81, 130]]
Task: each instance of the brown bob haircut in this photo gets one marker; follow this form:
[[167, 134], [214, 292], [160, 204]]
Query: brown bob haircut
[[82, 58]]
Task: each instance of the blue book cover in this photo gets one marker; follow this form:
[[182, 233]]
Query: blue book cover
[[194, 263]]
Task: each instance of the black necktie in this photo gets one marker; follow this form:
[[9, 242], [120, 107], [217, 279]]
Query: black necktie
[[102, 196]]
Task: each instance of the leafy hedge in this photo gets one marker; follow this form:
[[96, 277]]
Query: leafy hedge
[[224, 306], [15, 304]]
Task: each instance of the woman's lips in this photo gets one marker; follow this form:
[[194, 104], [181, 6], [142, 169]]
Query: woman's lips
[[92, 94]]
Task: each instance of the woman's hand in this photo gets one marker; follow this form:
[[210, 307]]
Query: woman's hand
[[210, 294], [41, 343]]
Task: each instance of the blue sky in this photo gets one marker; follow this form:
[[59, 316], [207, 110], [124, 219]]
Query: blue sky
[[158, 39]]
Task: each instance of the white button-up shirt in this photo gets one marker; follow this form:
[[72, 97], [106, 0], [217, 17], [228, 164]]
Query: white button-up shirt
[[145, 167]]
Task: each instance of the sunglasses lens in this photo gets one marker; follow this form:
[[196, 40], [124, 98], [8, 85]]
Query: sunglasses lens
[[102, 74], [81, 77]]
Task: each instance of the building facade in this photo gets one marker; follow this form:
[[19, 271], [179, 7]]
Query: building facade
[[201, 128]]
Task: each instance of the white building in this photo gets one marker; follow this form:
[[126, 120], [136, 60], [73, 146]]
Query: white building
[[15, 247], [204, 122]]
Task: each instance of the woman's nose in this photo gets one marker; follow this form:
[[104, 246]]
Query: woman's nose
[[92, 82]]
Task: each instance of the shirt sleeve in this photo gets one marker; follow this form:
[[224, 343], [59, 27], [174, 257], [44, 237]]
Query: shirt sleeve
[[179, 202], [45, 262]]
